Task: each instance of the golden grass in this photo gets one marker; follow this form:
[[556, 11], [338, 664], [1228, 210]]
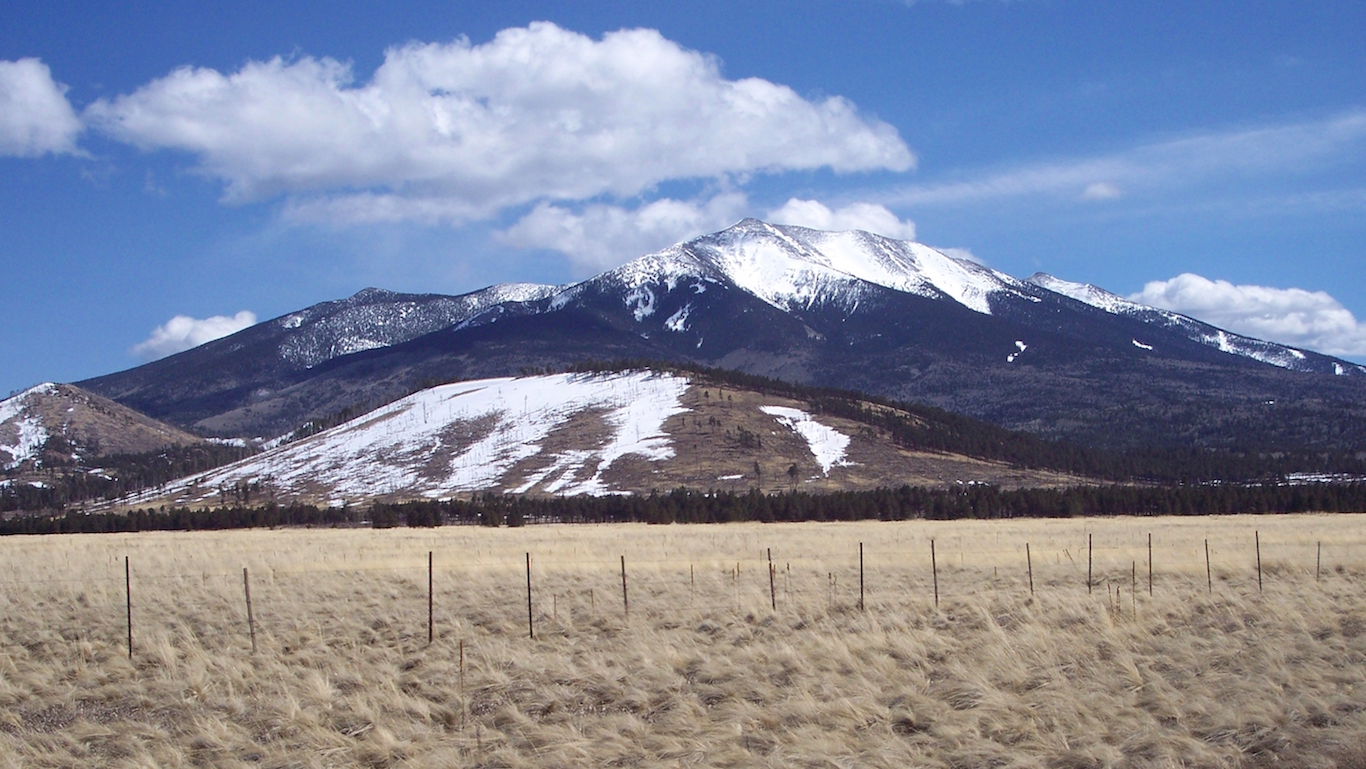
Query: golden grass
[[706, 674]]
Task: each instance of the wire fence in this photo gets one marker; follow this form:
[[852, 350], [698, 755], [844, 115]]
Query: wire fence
[[432, 594]]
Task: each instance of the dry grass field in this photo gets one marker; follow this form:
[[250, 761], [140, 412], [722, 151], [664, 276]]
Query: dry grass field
[[703, 671]]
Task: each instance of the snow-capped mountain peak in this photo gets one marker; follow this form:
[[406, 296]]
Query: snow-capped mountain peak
[[790, 266]]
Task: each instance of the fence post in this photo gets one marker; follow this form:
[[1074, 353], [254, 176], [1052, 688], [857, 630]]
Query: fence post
[[1029, 563], [128, 592], [251, 619], [625, 602], [1150, 564], [860, 579], [934, 569], [1318, 563], [1088, 564], [772, 593], [1209, 575], [1257, 538], [530, 627], [431, 626]]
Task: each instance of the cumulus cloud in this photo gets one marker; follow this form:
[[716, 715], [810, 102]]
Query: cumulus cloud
[[869, 217], [35, 117], [603, 236], [183, 332], [1293, 316], [456, 131]]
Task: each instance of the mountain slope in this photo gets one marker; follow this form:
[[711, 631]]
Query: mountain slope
[[848, 310], [61, 424], [570, 434]]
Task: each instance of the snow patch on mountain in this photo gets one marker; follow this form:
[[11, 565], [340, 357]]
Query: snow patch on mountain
[[1020, 347], [468, 436], [679, 320], [827, 444]]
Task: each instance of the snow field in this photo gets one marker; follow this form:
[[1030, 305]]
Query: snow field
[[394, 449], [827, 444], [30, 433]]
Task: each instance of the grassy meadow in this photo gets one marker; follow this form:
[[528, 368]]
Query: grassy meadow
[[702, 671]]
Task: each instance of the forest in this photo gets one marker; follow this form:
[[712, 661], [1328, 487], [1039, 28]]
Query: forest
[[688, 506]]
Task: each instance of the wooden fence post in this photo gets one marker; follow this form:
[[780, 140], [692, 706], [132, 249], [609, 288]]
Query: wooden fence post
[[1029, 563], [251, 619], [1088, 564], [1209, 575], [1318, 563], [431, 625], [934, 569], [1257, 538], [625, 602], [1150, 564], [772, 593], [128, 592], [530, 626]]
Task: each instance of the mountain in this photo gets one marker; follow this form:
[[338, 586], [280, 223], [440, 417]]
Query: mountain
[[194, 387], [59, 424], [600, 433], [848, 309]]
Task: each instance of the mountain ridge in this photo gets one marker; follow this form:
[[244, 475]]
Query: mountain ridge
[[850, 310]]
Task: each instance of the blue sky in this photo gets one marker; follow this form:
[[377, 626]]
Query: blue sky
[[170, 172]]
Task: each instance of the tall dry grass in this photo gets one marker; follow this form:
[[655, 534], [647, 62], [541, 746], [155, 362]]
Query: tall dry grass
[[703, 672]]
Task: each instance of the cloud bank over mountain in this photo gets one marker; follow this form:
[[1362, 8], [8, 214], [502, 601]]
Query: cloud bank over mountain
[[1310, 319]]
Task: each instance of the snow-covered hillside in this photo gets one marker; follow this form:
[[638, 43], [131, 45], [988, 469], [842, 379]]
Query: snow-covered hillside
[[470, 436], [22, 433], [88, 424]]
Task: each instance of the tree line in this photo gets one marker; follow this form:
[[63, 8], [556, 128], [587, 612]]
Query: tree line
[[690, 506]]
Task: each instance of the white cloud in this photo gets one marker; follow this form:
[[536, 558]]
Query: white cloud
[[35, 117], [1293, 316], [604, 236], [1100, 191], [455, 131], [869, 217], [183, 332], [1239, 154]]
